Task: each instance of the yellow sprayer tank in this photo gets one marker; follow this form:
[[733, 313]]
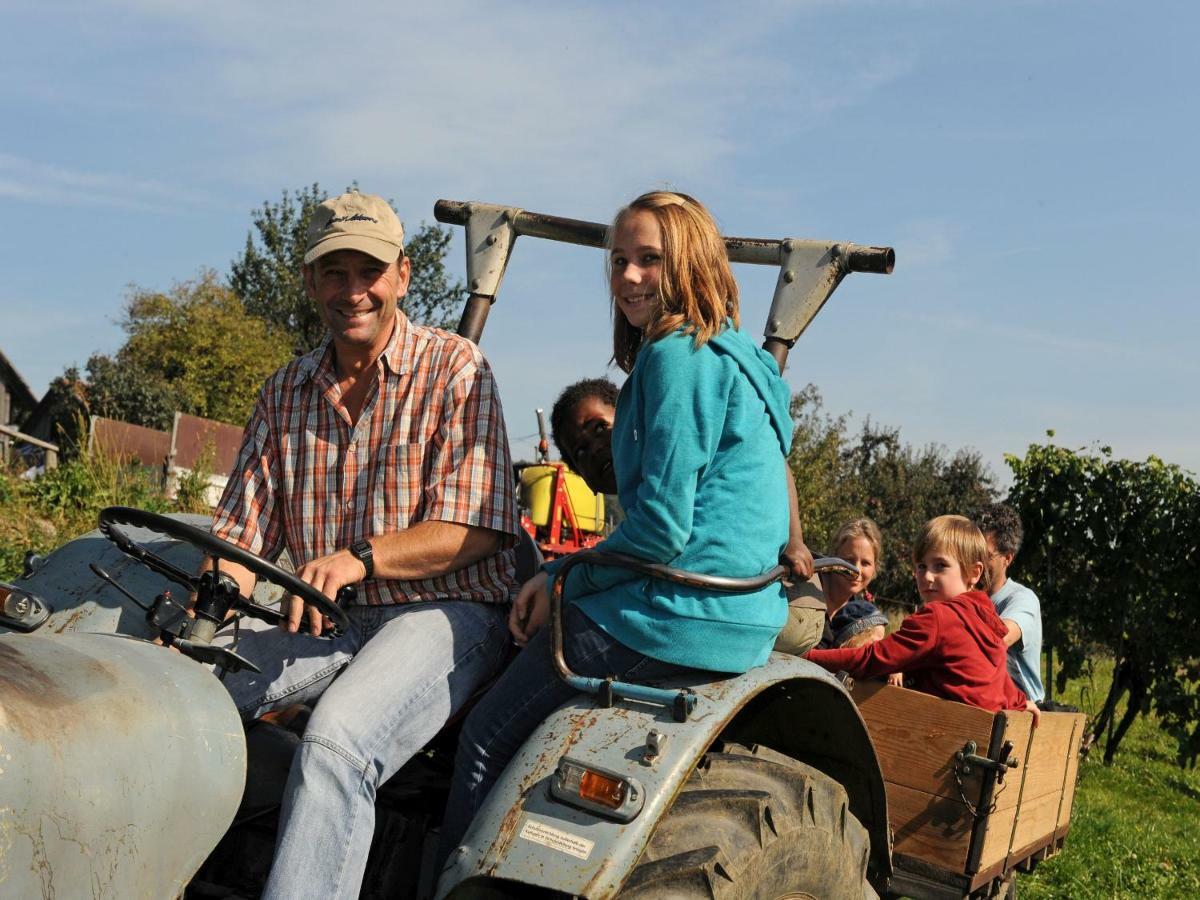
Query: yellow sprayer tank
[[537, 495]]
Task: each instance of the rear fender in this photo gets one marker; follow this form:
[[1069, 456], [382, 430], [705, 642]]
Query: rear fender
[[524, 837]]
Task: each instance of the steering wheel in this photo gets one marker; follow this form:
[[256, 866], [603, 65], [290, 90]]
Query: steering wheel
[[114, 516]]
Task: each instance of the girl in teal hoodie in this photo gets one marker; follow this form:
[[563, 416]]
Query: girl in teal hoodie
[[701, 434]]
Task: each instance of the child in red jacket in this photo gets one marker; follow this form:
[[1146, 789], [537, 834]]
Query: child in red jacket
[[953, 647]]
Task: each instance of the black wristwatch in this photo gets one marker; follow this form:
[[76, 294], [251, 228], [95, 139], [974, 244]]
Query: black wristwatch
[[365, 555]]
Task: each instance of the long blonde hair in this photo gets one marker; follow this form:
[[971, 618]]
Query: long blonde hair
[[696, 290]]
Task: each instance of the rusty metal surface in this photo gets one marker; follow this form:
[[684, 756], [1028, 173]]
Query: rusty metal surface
[[601, 853], [193, 437], [474, 317], [124, 442], [103, 741]]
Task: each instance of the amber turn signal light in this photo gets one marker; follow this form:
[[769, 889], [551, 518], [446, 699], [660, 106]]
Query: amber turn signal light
[[597, 790]]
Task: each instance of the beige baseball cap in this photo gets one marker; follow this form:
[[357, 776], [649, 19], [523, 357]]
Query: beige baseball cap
[[355, 221]]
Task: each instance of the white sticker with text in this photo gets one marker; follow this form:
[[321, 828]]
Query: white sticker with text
[[562, 841]]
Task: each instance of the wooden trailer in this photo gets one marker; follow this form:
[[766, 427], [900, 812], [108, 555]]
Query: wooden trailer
[[973, 796]]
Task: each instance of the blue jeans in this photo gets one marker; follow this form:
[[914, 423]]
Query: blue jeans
[[386, 687], [528, 691]]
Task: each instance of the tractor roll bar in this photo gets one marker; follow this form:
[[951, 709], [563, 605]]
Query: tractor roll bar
[[809, 270], [756, 251]]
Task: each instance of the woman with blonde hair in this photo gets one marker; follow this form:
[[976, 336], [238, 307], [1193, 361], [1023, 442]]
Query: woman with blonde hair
[[857, 542], [702, 426]]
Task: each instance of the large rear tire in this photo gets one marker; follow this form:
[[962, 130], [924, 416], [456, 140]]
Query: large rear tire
[[751, 824]]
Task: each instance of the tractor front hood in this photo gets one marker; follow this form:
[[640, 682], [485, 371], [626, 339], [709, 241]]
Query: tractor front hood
[[121, 765]]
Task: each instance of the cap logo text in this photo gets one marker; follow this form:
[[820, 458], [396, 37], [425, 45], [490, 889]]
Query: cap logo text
[[357, 217]]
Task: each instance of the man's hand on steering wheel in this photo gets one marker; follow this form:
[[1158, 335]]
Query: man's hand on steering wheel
[[328, 574], [112, 518]]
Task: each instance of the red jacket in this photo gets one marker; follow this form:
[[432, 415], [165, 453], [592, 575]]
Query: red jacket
[[950, 648]]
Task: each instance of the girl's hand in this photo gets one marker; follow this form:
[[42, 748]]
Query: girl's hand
[[797, 557], [896, 679], [530, 610]]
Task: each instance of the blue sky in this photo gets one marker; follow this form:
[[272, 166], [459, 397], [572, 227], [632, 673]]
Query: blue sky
[[1033, 163]]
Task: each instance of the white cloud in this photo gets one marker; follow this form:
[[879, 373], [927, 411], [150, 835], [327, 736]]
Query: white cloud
[[27, 179], [547, 98], [997, 331]]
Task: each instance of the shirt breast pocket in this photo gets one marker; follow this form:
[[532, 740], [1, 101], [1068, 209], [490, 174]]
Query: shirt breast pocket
[[398, 491]]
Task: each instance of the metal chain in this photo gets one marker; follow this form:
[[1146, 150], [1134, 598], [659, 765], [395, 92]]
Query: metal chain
[[967, 803]]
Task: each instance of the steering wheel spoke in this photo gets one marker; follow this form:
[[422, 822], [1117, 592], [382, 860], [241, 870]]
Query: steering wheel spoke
[[112, 517], [258, 611], [220, 656]]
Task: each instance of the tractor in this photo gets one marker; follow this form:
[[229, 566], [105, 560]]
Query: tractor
[[126, 772]]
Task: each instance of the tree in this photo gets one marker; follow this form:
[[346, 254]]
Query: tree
[[125, 389], [267, 274], [825, 485], [902, 487], [65, 413], [1111, 547], [877, 475], [194, 349]]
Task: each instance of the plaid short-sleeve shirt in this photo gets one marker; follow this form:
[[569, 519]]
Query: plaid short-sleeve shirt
[[429, 445]]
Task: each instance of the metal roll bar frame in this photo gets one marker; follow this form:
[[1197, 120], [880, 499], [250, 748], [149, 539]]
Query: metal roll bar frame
[[680, 702], [809, 270]]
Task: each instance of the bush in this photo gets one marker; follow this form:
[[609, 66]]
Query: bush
[[1111, 548], [42, 514], [901, 487]]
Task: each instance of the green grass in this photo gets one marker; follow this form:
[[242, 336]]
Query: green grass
[[1135, 828], [42, 514]]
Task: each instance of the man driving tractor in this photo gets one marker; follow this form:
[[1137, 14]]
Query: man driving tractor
[[379, 459]]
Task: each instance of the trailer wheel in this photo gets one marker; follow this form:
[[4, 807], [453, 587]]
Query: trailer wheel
[[753, 823]]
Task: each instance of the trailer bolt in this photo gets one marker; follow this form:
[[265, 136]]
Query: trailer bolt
[[786, 246], [655, 742], [774, 325], [491, 239], [474, 284], [789, 276]]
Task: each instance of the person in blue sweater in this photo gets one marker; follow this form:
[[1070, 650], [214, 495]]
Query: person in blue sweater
[[699, 444]]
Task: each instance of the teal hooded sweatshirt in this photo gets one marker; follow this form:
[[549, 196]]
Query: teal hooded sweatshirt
[[699, 448]]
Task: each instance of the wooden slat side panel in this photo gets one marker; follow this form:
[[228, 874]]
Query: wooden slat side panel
[[997, 837], [916, 736], [1036, 821], [934, 829], [1064, 813], [1049, 754]]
